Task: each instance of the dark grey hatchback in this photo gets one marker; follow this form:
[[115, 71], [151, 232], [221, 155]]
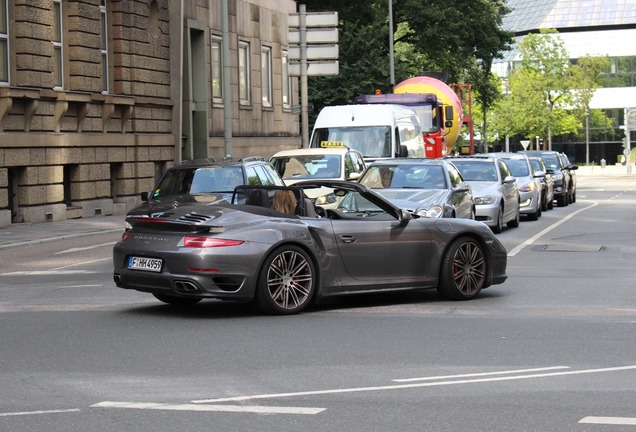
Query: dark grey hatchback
[[205, 181]]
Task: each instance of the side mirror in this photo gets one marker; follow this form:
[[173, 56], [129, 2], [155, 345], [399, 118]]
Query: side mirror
[[449, 115], [549, 171], [539, 174], [509, 179], [403, 152], [144, 196], [574, 167], [404, 216], [354, 176]]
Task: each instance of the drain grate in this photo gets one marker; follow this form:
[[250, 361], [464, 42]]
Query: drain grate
[[572, 248]]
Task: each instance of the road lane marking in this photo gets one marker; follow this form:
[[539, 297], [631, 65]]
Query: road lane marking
[[630, 421], [38, 412], [431, 378], [83, 263], [48, 272], [532, 239], [79, 249], [198, 407], [413, 385]]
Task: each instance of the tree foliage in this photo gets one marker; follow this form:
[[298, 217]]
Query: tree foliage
[[461, 37], [548, 95]]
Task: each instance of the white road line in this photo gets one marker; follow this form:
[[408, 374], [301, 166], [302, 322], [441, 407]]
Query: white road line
[[38, 412], [630, 421], [532, 239], [197, 407], [480, 374], [83, 263], [84, 248], [409, 386], [47, 272]]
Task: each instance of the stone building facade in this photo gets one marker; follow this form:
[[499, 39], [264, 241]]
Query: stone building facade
[[98, 98]]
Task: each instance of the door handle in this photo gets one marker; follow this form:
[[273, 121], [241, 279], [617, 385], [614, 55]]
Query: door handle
[[347, 238]]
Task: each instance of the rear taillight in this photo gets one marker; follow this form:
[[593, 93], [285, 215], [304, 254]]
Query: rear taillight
[[208, 242]]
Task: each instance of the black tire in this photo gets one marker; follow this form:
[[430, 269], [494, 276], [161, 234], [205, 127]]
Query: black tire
[[515, 222], [176, 300], [574, 196], [562, 200], [534, 216], [551, 204], [544, 203], [463, 270], [286, 282], [499, 225]]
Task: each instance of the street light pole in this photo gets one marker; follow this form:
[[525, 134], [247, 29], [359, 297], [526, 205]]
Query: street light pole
[[391, 56]]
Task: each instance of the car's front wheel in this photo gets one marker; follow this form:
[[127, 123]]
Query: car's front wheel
[[499, 222], [463, 270], [286, 282], [177, 301]]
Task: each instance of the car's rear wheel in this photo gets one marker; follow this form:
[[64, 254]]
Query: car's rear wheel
[[499, 223], [177, 301], [551, 204], [463, 270], [286, 282]]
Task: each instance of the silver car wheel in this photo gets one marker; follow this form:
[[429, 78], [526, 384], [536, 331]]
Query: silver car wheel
[[463, 270], [287, 281]]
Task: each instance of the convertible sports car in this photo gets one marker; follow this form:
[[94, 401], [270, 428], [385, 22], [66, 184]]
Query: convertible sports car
[[271, 245]]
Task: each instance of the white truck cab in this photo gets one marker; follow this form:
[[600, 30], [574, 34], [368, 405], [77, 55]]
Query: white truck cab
[[378, 131]]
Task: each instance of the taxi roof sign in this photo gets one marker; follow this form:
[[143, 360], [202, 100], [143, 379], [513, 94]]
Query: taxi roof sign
[[332, 144]]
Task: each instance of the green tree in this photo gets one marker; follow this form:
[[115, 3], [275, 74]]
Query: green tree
[[548, 95], [461, 37]]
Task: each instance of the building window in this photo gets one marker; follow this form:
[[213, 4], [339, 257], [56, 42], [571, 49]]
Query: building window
[[244, 72], [286, 84], [104, 46], [266, 75], [217, 68], [4, 43], [58, 71]]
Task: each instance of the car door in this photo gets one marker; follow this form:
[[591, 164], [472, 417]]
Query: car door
[[461, 194], [509, 191], [378, 249]]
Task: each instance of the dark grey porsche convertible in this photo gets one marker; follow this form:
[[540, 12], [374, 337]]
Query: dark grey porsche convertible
[[273, 246]]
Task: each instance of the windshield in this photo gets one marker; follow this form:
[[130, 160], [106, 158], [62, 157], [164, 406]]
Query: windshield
[[371, 141], [308, 166], [518, 167], [477, 171], [428, 119], [199, 180], [550, 161], [404, 176]]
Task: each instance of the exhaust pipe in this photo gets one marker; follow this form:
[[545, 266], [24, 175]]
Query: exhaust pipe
[[117, 279], [185, 287]]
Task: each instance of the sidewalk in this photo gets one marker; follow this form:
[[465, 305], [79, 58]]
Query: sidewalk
[[27, 234]]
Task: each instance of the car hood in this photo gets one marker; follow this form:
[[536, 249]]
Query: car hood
[[415, 198], [483, 188]]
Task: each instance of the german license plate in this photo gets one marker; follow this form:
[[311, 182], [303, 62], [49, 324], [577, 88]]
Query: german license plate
[[146, 264]]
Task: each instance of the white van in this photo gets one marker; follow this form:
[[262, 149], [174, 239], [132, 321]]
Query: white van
[[377, 131]]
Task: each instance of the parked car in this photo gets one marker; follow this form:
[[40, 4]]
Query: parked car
[[495, 190], [205, 181], [528, 183], [334, 163], [561, 176], [547, 184], [246, 252], [570, 168], [426, 187]]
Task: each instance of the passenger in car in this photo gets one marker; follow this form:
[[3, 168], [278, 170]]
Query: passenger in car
[[284, 201]]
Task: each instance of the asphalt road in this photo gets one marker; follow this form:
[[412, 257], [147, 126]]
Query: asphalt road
[[553, 348]]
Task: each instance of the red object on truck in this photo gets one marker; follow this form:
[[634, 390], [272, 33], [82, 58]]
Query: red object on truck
[[437, 106]]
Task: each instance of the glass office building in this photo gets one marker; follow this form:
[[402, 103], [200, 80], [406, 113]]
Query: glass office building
[[587, 27]]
